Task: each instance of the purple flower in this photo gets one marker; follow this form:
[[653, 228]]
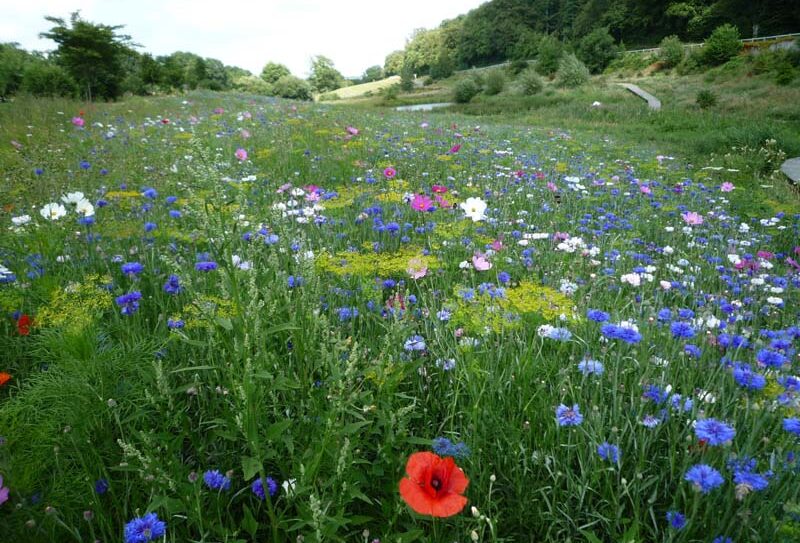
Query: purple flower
[[101, 486], [132, 268], [676, 519], [144, 529], [205, 266], [258, 487], [566, 416], [173, 285], [792, 425], [608, 452], [129, 303], [216, 480], [415, 343], [714, 432], [682, 330], [704, 478], [597, 316], [591, 367]]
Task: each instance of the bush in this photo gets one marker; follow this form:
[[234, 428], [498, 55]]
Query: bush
[[390, 93], [252, 84], [690, 64], [572, 72], [517, 66], [45, 79], [428, 81], [443, 67], [530, 82], [465, 90], [785, 73], [329, 97], [706, 99], [597, 49], [550, 52], [722, 45], [292, 87], [672, 51], [495, 81]]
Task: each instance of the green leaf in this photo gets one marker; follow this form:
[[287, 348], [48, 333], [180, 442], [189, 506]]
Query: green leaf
[[590, 537], [225, 322], [249, 523], [250, 467], [276, 429]]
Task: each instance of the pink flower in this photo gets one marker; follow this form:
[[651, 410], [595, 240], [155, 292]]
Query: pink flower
[[241, 154], [552, 186], [79, 122], [424, 125], [480, 262], [353, 131], [421, 202], [496, 245], [519, 173], [644, 189], [439, 189], [417, 268], [727, 186], [218, 111], [454, 149], [3, 492], [245, 133], [442, 202], [389, 172], [692, 218]]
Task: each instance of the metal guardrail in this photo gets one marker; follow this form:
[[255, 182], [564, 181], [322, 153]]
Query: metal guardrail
[[779, 37]]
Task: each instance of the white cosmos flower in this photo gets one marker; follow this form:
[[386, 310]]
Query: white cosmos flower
[[53, 211], [85, 208], [22, 220], [475, 208], [72, 197]]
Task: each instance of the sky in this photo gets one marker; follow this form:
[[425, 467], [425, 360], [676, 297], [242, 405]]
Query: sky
[[355, 34]]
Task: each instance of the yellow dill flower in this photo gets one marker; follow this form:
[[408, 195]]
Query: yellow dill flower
[[77, 305], [372, 264]]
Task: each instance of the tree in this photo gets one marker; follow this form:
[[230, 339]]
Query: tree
[[324, 77], [12, 63], [273, 71], [290, 86], [722, 45], [597, 49], [373, 73], [91, 53]]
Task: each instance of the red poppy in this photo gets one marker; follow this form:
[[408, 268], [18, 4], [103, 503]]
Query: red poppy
[[24, 325], [433, 485], [4, 378]]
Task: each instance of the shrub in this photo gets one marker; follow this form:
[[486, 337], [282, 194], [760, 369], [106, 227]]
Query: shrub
[[706, 99], [465, 90], [45, 79], [530, 82], [722, 45], [329, 97], [785, 73], [443, 67], [390, 93], [428, 81], [572, 72], [672, 52], [517, 66], [495, 81], [690, 64], [549, 55], [252, 84], [293, 87], [597, 49]]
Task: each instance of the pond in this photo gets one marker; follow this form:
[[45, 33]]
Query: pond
[[423, 107]]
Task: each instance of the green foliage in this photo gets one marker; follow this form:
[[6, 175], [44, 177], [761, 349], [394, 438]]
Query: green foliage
[[785, 73], [91, 53], [42, 78], [273, 71], [597, 49], [390, 93], [394, 63], [672, 51], [252, 85], [373, 73], [444, 65], [406, 78], [12, 64], [722, 45], [465, 90], [324, 77], [706, 99], [530, 82], [516, 67], [494, 82], [549, 55], [572, 72], [292, 87]]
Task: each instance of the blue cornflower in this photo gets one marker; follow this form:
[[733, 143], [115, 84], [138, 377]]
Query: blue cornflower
[[591, 367], [149, 192], [722, 539], [685, 314], [144, 529], [655, 394], [415, 343], [503, 277], [772, 359], [559, 334], [444, 447], [132, 268], [175, 214], [346, 313], [665, 315], [175, 324], [129, 303], [150, 226], [747, 481], [446, 364], [677, 520], [682, 330], [745, 377], [171, 199], [566, 416], [792, 425], [101, 486], [206, 266], [692, 350], [704, 478], [443, 315], [597, 316], [294, 282], [650, 421], [258, 487], [608, 452], [216, 480], [173, 285], [714, 432]]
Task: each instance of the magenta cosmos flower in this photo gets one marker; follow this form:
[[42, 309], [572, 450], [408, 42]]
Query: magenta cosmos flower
[[241, 154], [692, 218], [421, 202], [389, 172]]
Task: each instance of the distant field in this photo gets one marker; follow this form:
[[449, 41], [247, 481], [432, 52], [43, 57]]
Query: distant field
[[360, 90]]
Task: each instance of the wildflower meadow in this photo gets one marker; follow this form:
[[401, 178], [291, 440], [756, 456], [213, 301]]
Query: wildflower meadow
[[234, 319]]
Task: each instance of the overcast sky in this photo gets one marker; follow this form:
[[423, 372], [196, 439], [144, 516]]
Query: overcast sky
[[355, 34]]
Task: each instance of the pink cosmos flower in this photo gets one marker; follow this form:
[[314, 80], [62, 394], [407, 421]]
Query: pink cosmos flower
[[552, 186], [766, 255], [480, 262], [442, 202], [79, 122], [644, 189], [417, 268], [692, 218], [353, 131], [284, 188], [421, 202], [241, 154], [727, 186], [496, 245], [245, 133], [439, 189], [389, 172], [424, 125], [539, 175], [454, 149]]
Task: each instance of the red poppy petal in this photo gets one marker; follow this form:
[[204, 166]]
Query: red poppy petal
[[449, 505], [419, 464], [458, 481], [416, 498]]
